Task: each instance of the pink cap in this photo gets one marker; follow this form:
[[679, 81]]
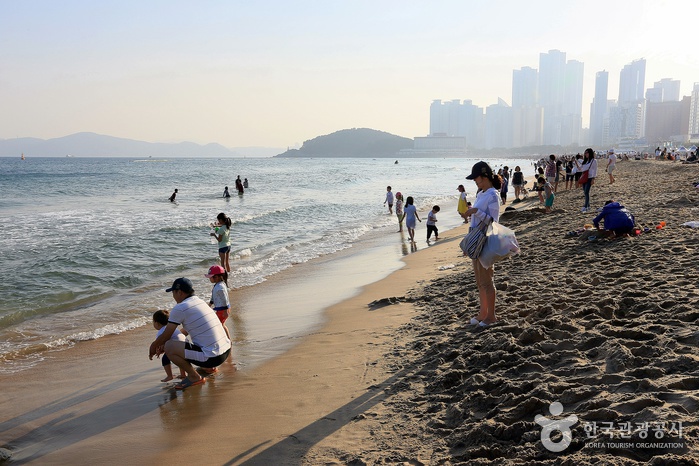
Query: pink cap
[[215, 270]]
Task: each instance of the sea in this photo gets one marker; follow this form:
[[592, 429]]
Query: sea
[[88, 245]]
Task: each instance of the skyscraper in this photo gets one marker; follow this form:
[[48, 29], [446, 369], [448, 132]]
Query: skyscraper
[[552, 67], [524, 87], [632, 82], [599, 108], [665, 90]]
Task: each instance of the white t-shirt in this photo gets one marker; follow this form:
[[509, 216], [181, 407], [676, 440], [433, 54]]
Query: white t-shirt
[[431, 218], [176, 335], [219, 296], [202, 325], [389, 197], [488, 204], [612, 160]]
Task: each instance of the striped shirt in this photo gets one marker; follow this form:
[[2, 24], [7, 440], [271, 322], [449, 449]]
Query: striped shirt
[[202, 325]]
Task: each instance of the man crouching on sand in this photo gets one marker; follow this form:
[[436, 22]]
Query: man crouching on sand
[[210, 346]]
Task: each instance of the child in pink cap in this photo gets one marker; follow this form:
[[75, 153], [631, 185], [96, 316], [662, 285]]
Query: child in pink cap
[[219, 294]]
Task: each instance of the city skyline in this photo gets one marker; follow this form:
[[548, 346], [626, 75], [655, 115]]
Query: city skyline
[[276, 74]]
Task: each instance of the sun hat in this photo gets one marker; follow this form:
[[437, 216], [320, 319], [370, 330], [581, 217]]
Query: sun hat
[[181, 284], [480, 169], [215, 270], [398, 194]]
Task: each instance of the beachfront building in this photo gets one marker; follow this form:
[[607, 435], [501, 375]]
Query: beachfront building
[[457, 119], [694, 113], [668, 121], [598, 108], [498, 125], [560, 88], [626, 119], [527, 115], [665, 90]]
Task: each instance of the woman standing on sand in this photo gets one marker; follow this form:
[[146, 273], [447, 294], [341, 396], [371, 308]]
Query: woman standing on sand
[[487, 205], [590, 166]]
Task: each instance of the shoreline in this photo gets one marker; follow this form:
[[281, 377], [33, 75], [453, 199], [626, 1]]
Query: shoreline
[[110, 384], [605, 327]]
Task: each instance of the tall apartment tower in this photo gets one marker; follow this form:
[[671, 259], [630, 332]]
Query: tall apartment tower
[[527, 115], [524, 87], [665, 90], [628, 119], [632, 82], [694, 111], [551, 90], [571, 123], [598, 110]]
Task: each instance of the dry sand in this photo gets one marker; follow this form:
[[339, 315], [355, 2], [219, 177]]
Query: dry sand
[[397, 376]]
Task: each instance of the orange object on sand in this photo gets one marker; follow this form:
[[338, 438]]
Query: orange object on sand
[[661, 225]]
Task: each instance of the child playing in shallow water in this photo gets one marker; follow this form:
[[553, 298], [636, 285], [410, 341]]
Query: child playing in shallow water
[[160, 319], [399, 210]]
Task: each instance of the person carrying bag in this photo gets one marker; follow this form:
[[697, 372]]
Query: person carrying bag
[[485, 209]]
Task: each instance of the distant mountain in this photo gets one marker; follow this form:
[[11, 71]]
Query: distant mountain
[[97, 145], [355, 142]]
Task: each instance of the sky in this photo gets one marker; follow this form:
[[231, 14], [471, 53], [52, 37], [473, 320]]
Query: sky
[[277, 73]]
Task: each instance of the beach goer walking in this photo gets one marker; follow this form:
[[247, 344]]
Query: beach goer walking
[[505, 184], [160, 319], [576, 170], [551, 169], [518, 181], [389, 199], [219, 294], [225, 192], [559, 164], [399, 210], [570, 174], [487, 206], [410, 214], [432, 223], [174, 195], [591, 168], [239, 185], [462, 207], [209, 346], [611, 165], [223, 236]]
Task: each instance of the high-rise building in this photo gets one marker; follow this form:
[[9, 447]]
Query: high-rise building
[[524, 87], [571, 122], [627, 119], [598, 110], [665, 90], [552, 69], [694, 111], [498, 125], [632, 82], [456, 119]]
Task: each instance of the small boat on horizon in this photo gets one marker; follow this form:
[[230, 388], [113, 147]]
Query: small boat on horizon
[[22, 158]]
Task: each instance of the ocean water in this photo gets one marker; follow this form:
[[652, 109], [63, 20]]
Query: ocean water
[[89, 244]]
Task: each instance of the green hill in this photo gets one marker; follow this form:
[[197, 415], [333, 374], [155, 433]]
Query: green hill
[[355, 142]]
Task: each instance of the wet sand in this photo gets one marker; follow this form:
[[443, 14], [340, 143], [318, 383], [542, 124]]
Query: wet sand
[[396, 375]]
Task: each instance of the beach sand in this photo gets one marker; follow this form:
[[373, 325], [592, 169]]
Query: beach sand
[[396, 375]]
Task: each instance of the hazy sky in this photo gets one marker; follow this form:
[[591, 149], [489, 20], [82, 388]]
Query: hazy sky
[[276, 73]]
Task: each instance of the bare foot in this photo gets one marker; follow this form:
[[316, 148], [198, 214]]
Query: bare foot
[[167, 379], [182, 376]]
